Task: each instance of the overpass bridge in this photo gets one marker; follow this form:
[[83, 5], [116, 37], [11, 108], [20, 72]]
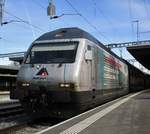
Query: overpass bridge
[[139, 50]]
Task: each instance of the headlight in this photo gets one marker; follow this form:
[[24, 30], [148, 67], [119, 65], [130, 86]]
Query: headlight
[[62, 85], [65, 85], [25, 84]]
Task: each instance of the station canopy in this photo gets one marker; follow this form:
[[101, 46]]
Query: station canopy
[[17, 59], [8, 70], [141, 53]]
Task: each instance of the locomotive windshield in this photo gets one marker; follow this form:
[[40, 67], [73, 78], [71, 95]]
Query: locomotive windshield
[[62, 52]]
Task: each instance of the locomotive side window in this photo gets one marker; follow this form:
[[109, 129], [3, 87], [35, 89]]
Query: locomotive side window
[[45, 53], [89, 47], [88, 53]]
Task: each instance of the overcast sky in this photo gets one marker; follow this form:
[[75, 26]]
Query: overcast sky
[[112, 20]]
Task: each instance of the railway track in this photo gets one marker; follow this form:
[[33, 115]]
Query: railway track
[[28, 125], [10, 112], [11, 108], [12, 129], [13, 120]]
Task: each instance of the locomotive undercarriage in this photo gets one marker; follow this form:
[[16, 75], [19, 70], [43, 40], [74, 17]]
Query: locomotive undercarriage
[[51, 104]]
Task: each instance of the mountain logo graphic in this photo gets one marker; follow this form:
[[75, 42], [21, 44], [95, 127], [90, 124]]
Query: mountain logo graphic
[[43, 72]]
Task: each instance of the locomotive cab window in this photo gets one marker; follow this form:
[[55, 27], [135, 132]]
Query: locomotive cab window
[[89, 47], [45, 53], [88, 53]]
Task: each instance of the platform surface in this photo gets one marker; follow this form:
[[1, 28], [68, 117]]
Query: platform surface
[[5, 97], [127, 115]]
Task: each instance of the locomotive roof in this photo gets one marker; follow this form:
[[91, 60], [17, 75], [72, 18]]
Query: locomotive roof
[[67, 33], [71, 33]]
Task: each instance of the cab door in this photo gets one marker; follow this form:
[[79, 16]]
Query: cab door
[[93, 75], [91, 62]]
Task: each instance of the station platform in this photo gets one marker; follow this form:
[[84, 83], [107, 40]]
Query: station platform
[[127, 115], [5, 98]]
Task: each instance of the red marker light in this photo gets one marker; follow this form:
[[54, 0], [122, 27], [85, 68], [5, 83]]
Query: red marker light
[[43, 72]]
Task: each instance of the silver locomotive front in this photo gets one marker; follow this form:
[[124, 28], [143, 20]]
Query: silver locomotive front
[[50, 74]]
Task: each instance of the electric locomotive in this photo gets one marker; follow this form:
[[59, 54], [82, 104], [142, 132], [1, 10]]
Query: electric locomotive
[[67, 71]]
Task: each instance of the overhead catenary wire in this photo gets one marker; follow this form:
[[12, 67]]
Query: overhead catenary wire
[[22, 26], [40, 5], [94, 3], [146, 9], [56, 16], [104, 16], [101, 12], [18, 19], [24, 21], [131, 16], [145, 2], [85, 19], [45, 8], [6, 40]]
